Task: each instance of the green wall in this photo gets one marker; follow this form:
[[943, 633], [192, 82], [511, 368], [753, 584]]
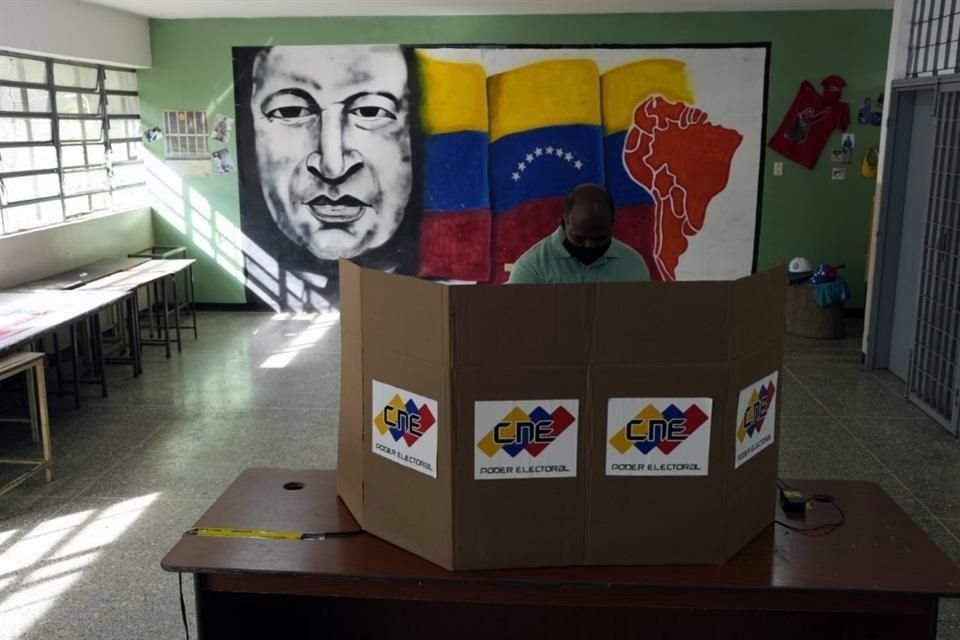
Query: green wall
[[804, 212]]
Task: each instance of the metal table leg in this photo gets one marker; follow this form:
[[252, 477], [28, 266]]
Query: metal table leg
[[176, 312], [166, 318], [32, 404], [133, 324], [193, 301], [99, 361], [56, 358], [76, 364], [150, 310]]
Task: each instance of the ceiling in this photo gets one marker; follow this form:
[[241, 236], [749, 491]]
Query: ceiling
[[300, 8]]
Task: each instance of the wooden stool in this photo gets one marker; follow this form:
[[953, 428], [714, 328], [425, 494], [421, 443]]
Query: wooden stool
[[30, 363]]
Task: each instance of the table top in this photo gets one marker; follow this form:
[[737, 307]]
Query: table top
[[879, 549], [83, 274], [24, 315], [159, 251], [138, 276]]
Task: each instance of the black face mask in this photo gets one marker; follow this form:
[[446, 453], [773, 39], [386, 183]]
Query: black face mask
[[586, 255]]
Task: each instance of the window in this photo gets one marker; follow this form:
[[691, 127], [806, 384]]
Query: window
[[186, 135], [934, 38], [69, 141]]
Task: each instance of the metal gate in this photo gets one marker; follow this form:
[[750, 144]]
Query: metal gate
[[933, 380]]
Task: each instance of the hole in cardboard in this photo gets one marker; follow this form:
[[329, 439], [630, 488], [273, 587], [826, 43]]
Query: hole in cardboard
[[293, 486]]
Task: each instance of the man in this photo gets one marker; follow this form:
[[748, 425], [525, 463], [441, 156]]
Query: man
[[333, 144], [582, 249]]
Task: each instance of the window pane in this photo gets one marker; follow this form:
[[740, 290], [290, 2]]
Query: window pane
[[27, 158], [22, 70], [123, 151], [128, 174], [32, 215], [79, 181], [86, 204], [25, 130], [31, 187], [81, 129], [126, 128], [129, 198], [78, 104], [68, 75], [82, 155], [16, 99], [121, 80], [123, 105]]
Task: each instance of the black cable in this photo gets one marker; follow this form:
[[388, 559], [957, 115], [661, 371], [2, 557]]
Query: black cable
[[330, 534], [822, 529], [183, 607]]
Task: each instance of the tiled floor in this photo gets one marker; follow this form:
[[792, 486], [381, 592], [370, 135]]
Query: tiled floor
[[79, 558]]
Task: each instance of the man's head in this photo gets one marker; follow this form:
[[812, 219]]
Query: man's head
[[588, 217], [333, 144]]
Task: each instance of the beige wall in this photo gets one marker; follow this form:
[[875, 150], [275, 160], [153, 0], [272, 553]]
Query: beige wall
[[35, 254], [76, 30]]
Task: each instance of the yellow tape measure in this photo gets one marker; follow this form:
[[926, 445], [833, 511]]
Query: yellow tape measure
[[223, 532], [263, 534]]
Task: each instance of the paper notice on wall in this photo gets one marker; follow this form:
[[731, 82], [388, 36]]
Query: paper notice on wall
[[756, 418], [223, 162], [222, 126], [658, 436], [404, 428], [525, 439]]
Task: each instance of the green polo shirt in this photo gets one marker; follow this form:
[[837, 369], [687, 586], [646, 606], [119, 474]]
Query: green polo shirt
[[549, 262]]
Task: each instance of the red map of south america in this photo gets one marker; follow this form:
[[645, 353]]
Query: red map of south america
[[683, 160]]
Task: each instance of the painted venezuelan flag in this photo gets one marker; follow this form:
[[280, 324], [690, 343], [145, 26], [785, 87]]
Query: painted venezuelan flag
[[545, 138], [455, 230], [624, 89]]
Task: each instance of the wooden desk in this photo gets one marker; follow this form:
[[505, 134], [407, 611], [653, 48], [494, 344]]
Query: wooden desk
[[156, 273], [83, 274], [878, 576], [26, 316], [160, 252], [31, 364], [169, 252]]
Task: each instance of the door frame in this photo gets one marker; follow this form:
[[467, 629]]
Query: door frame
[[886, 257]]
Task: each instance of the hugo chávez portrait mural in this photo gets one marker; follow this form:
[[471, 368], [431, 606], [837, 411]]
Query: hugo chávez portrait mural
[[448, 163]]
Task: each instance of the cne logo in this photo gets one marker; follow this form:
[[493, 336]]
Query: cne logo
[[755, 413], [654, 429], [756, 418], [519, 431], [404, 420]]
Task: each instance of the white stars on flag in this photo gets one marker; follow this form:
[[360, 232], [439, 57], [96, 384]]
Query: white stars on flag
[[538, 153]]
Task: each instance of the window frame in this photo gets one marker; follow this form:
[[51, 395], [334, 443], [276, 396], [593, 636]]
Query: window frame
[[56, 118]]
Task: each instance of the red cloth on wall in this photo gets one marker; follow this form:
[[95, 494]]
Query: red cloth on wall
[[811, 121]]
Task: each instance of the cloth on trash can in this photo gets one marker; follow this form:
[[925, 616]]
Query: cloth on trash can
[[830, 293]]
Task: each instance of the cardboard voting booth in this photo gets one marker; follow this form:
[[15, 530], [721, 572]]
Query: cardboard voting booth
[[526, 425]]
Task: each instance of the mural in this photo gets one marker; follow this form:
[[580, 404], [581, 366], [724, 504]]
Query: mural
[[448, 163]]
